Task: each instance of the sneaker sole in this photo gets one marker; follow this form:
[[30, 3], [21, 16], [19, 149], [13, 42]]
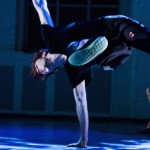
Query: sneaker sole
[[87, 54]]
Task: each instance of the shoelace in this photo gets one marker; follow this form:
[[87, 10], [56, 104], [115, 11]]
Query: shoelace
[[107, 68]]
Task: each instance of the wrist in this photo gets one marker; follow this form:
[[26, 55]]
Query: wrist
[[83, 141]]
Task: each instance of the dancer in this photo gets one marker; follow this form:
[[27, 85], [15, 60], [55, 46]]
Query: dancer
[[108, 38]]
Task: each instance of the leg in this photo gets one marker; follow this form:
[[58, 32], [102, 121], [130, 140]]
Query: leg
[[88, 51]]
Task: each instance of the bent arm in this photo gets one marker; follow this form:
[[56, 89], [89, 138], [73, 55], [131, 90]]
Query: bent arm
[[43, 12], [82, 113]]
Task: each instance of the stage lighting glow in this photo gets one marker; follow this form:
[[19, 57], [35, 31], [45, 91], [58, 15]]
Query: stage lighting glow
[[128, 144], [18, 144]]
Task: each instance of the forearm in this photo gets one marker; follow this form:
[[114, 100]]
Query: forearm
[[43, 12], [82, 114], [45, 17], [82, 111]]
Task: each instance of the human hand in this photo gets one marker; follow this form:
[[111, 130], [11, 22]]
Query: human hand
[[80, 144], [77, 145]]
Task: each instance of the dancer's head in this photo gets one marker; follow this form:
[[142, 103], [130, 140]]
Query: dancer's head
[[45, 64]]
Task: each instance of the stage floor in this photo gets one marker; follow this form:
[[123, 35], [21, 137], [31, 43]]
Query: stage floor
[[54, 134]]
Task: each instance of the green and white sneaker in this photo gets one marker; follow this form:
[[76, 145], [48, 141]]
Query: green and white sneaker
[[88, 52]]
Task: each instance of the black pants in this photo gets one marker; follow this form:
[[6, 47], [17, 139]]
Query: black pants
[[123, 34], [129, 31], [137, 36]]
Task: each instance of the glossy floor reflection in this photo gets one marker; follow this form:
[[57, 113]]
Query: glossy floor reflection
[[37, 134]]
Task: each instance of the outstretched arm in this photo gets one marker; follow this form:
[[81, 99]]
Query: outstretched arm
[[82, 113], [43, 12]]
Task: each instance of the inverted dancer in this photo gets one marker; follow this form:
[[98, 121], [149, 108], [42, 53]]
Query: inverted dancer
[[105, 41]]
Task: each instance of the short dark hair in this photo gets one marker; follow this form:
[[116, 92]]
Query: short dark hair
[[34, 73]]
